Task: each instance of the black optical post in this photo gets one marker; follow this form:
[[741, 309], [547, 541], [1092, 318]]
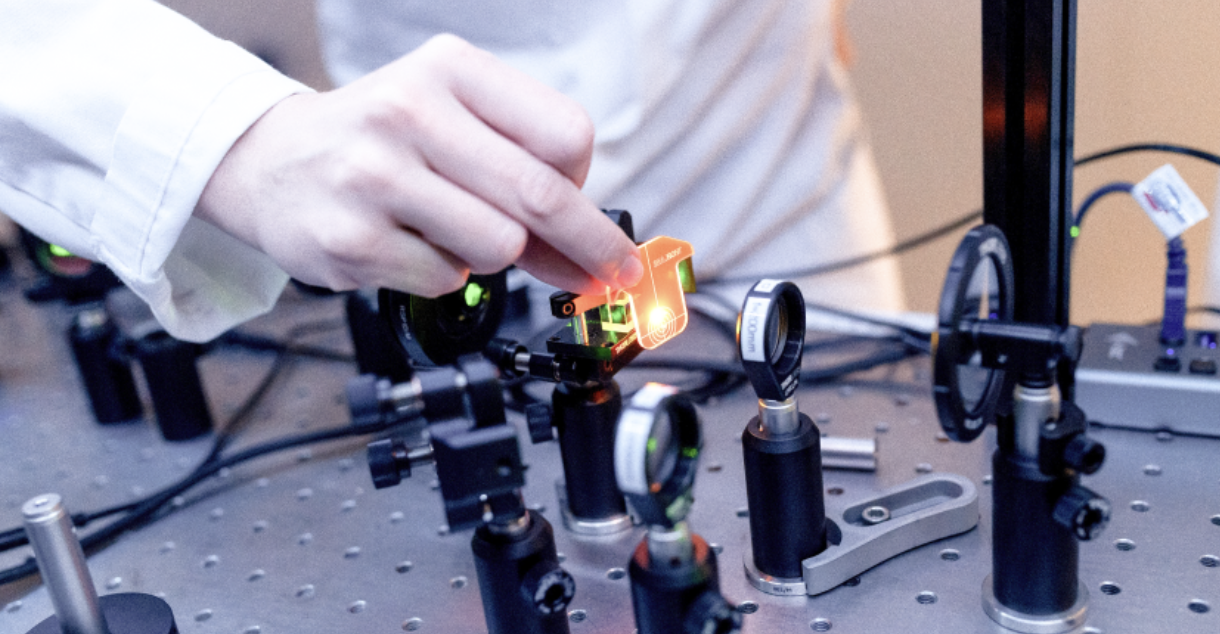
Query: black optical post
[[1028, 93], [781, 447]]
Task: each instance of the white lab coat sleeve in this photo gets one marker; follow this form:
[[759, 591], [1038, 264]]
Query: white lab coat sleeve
[[113, 116]]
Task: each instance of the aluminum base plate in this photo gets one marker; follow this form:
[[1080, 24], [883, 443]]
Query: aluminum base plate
[[301, 541]]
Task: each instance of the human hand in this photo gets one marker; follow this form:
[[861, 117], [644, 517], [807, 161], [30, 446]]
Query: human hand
[[444, 162]]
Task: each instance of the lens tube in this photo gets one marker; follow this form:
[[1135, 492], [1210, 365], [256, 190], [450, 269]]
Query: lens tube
[[771, 338], [656, 454]]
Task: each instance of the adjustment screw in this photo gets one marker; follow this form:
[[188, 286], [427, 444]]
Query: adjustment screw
[[538, 419], [363, 401], [1084, 454], [388, 463], [551, 592], [1084, 512]]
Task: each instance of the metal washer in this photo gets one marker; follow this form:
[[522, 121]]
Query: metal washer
[[778, 586], [1056, 623]]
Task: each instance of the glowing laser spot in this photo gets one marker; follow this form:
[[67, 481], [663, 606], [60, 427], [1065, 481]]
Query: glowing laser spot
[[473, 294]]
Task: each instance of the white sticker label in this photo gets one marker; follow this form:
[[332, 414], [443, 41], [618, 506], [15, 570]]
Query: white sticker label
[[631, 451], [754, 329], [651, 395], [765, 286], [1169, 201]]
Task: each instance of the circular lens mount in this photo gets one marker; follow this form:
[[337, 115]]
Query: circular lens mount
[[771, 338], [436, 331], [656, 454], [978, 286]]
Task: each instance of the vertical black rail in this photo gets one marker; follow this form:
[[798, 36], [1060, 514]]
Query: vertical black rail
[[1029, 68], [1028, 92]]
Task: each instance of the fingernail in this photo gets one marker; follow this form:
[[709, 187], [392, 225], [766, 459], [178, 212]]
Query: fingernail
[[630, 271]]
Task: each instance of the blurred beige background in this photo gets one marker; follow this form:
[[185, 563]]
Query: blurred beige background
[[1146, 71]]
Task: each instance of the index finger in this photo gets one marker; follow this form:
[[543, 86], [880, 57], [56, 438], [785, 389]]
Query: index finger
[[544, 121]]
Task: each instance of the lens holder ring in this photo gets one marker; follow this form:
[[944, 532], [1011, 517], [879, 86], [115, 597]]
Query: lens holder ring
[[962, 422], [429, 331], [667, 502], [768, 307]]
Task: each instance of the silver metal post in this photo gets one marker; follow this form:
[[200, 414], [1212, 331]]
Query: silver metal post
[[1032, 408], [859, 454], [671, 544], [779, 418], [62, 563]]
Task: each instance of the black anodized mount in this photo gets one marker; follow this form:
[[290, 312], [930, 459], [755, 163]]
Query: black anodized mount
[[1028, 94]]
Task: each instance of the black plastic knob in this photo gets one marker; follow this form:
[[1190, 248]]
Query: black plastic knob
[[549, 588], [503, 353], [538, 419], [1084, 454], [1084, 512], [363, 402], [711, 614], [388, 463]]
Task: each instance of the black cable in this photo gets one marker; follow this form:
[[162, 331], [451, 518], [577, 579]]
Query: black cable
[[1149, 147], [1118, 187], [939, 232], [913, 337], [285, 351], [229, 432], [716, 385], [259, 343], [898, 350], [831, 374], [147, 508], [831, 267]]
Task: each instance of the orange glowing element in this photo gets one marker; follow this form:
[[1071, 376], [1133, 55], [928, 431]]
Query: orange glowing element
[[659, 298]]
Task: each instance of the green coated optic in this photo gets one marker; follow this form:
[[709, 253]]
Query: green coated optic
[[1075, 231], [58, 251], [473, 294], [686, 275]]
